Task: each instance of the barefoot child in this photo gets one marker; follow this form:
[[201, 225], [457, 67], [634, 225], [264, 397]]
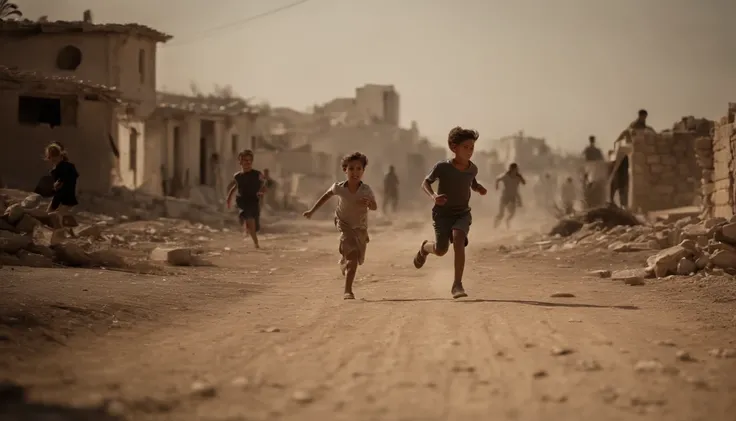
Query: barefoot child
[[451, 211], [510, 193], [351, 216], [65, 176], [249, 185]]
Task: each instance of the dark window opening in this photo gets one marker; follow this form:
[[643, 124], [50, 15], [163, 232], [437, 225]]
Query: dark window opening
[[234, 144], [142, 65], [133, 148], [69, 58], [35, 110], [202, 161]]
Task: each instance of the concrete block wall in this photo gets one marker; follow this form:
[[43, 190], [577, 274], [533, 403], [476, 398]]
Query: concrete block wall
[[724, 140], [664, 174]]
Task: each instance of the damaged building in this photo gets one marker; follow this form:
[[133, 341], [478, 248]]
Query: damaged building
[[121, 57], [38, 109], [195, 140]]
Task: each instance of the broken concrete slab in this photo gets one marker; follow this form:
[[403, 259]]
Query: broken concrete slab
[[173, 256], [630, 276], [725, 259], [70, 254], [107, 258], [89, 231], [27, 224], [31, 201], [14, 213], [12, 243], [665, 262], [34, 260], [9, 260], [686, 266]]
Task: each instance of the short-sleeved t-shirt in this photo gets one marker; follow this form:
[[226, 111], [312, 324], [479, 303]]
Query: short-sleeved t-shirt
[[510, 184], [248, 185], [349, 209], [455, 184], [66, 173]]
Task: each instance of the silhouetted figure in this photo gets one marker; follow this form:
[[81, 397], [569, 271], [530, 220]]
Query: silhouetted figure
[[391, 190]]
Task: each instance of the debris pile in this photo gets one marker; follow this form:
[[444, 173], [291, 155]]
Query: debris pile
[[29, 237], [684, 247], [604, 217], [133, 205]]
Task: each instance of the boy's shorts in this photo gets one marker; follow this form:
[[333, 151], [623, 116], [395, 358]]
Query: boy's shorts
[[445, 224], [250, 210], [352, 240]]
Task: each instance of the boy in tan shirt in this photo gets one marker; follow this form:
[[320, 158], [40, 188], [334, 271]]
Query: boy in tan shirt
[[355, 198]]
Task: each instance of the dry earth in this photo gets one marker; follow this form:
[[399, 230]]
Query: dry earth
[[265, 335]]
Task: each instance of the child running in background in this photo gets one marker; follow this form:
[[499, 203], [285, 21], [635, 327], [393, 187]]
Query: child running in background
[[351, 216], [249, 185], [510, 193], [451, 211], [65, 176], [567, 195]]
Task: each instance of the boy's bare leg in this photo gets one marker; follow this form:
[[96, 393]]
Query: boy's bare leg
[[250, 228], [512, 212], [458, 242], [351, 270]]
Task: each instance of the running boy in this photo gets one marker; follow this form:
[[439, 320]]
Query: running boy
[[451, 211], [511, 180], [351, 216], [249, 185], [65, 176]]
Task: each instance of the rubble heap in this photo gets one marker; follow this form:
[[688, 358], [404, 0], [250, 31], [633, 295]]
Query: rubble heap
[[28, 236], [682, 248], [607, 216], [141, 206]]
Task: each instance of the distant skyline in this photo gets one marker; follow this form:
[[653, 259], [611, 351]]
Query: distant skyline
[[561, 69]]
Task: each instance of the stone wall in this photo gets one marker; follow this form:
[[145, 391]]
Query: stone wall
[[664, 174], [724, 144]]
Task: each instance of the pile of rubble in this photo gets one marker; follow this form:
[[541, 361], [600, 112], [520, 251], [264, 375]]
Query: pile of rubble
[[28, 238], [684, 247], [141, 206]]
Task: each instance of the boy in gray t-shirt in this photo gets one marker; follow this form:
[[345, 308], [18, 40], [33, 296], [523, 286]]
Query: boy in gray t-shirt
[[355, 198], [451, 211]]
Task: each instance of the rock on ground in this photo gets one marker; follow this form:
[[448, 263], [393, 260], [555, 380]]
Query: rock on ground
[[173, 256]]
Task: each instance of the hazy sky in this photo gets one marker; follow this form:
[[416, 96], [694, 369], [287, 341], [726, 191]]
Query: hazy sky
[[562, 69]]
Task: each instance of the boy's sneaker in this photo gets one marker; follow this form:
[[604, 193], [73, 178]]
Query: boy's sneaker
[[421, 258], [458, 291]]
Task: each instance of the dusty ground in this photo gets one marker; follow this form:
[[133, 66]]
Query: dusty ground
[[266, 335]]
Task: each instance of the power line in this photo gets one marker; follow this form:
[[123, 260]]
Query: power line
[[241, 22]]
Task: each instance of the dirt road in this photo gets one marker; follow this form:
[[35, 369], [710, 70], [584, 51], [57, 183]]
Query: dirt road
[[266, 335]]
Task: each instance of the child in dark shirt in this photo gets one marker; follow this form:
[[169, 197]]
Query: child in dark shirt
[[451, 211], [64, 175], [249, 184]]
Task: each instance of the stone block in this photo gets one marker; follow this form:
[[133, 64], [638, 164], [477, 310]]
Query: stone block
[[173, 256], [14, 213], [12, 243], [27, 224], [107, 258], [70, 254]]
